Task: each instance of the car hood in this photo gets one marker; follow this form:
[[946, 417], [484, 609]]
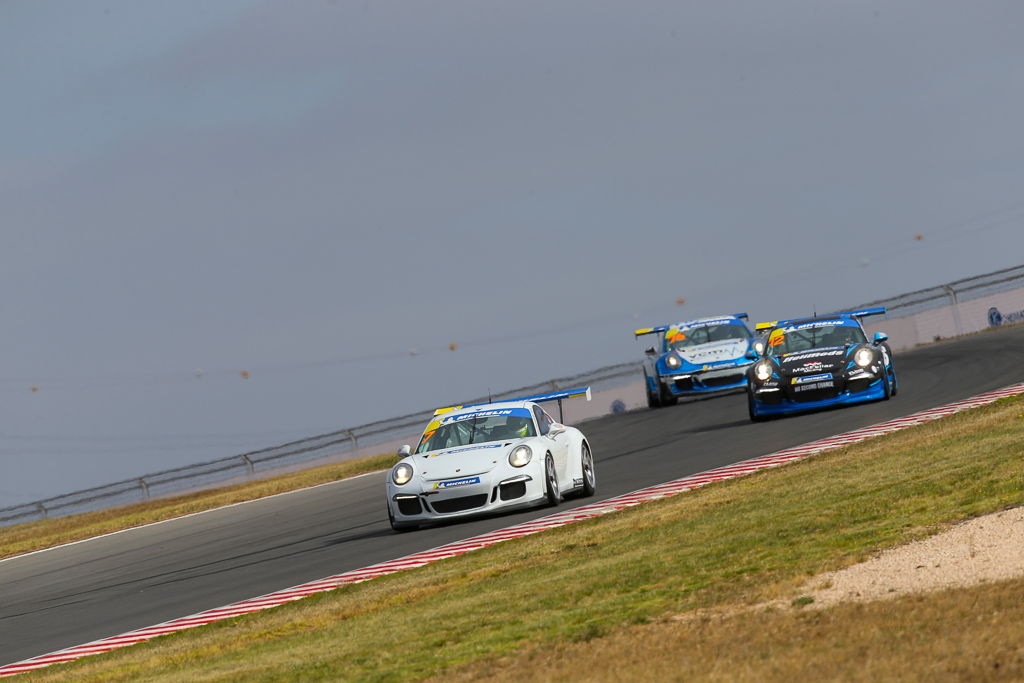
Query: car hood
[[831, 359], [465, 461], [714, 352]]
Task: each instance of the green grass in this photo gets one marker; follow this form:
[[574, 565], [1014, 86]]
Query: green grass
[[572, 590]]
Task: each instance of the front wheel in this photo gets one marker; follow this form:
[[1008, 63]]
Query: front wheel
[[396, 526], [554, 494], [587, 466], [752, 410], [653, 400]]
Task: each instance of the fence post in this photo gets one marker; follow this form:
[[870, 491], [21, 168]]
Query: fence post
[[955, 305], [145, 488], [354, 439], [249, 465], [42, 510]]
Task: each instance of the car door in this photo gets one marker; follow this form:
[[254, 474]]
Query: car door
[[559, 447]]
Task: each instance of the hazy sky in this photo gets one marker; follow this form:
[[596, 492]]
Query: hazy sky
[[309, 191]]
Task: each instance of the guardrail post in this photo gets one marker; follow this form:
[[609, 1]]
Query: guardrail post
[[42, 510], [354, 439], [145, 488], [955, 306], [249, 465]]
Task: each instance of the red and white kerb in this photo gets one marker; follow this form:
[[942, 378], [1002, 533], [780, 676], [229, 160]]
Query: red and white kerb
[[460, 547]]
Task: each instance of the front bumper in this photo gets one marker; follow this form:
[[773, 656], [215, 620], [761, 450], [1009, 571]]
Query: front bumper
[[422, 504], [777, 401], [690, 383]]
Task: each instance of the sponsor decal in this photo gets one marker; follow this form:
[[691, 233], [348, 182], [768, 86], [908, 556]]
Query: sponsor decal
[[813, 366], [479, 413], [795, 357], [997, 318], [811, 378], [821, 323], [811, 387], [577, 482], [469, 448], [456, 482]]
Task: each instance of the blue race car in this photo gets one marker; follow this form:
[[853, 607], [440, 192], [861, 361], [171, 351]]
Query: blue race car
[[817, 362], [698, 357]]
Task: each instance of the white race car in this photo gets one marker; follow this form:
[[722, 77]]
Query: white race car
[[489, 457]]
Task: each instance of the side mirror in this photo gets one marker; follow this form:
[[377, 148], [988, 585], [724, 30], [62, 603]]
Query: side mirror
[[404, 451], [555, 429], [880, 337], [650, 351]]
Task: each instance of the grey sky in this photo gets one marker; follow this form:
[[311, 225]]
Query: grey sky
[[308, 191]]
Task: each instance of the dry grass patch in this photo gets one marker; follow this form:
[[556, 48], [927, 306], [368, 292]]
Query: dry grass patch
[[46, 533], [974, 634], [557, 601]]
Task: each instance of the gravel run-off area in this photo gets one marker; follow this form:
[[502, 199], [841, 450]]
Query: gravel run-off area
[[988, 548]]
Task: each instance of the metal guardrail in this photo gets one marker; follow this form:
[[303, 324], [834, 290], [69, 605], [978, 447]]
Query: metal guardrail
[[255, 463], [949, 294]]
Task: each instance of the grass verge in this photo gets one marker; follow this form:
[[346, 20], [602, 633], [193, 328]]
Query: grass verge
[[600, 599], [46, 533]]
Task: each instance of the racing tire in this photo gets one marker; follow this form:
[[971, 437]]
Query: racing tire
[[653, 400], [886, 386], [553, 493], [754, 417], [587, 468], [398, 527], [666, 398]]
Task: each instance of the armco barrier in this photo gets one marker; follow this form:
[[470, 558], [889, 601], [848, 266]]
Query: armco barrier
[[952, 309], [948, 310], [334, 445]]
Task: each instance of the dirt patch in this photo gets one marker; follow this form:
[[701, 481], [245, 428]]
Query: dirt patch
[[989, 548]]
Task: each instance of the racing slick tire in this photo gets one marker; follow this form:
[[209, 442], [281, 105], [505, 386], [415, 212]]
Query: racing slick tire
[[666, 398], [886, 385], [754, 417], [396, 526], [653, 400], [554, 495], [587, 466]]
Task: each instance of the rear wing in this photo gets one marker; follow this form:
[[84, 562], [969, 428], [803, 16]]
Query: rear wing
[[861, 313], [665, 328], [651, 330], [539, 398], [880, 310]]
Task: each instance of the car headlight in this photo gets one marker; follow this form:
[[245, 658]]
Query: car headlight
[[759, 347], [520, 456], [673, 361], [864, 357], [402, 473], [763, 370]]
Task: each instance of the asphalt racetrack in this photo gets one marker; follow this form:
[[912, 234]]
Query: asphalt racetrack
[[107, 586]]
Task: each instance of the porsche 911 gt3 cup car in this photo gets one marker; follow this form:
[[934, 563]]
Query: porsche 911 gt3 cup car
[[489, 457], [697, 357], [818, 362]]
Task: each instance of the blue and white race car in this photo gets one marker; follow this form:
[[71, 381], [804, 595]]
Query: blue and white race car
[[817, 362], [697, 357], [489, 457]]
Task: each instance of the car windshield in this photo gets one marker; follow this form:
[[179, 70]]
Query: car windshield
[[694, 336], [814, 336], [463, 430]]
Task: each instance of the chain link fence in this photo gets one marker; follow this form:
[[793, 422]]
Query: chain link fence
[[325, 447]]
